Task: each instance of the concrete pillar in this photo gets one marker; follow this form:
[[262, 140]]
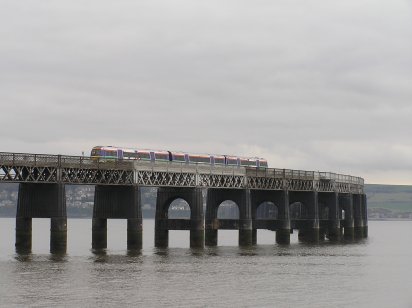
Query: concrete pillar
[[245, 232], [99, 233], [134, 233], [309, 234], [357, 216], [121, 202], [283, 232], [245, 219], [197, 234], [210, 236], [42, 200], [365, 215], [213, 201], [58, 235], [254, 236], [309, 226], [346, 203], [197, 225], [23, 234], [333, 230], [161, 233]]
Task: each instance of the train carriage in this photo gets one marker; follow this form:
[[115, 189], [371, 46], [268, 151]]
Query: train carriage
[[104, 153]]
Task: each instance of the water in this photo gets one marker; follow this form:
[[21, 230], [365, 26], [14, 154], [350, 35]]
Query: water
[[376, 272]]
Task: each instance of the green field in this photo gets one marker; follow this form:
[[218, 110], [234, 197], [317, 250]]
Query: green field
[[397, 198]]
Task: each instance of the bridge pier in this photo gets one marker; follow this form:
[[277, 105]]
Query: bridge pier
[[58, 234], [346, 204], [242, 197], [23, 234], [309, 223], [280, 224], [39, 200], [331, 228], [360, 222], [99, 233], [194, 197], [365, 215], [119, 202]]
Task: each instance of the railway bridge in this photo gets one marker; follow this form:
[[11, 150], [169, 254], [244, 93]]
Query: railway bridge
[[319, 205]]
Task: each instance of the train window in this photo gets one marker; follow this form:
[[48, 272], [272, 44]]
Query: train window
[[244, 162], [111, 154], [130, 155], [144, 155], [263, 163], [162, 156], [232, 161], [179, 157], [200, 159], [219, 160]]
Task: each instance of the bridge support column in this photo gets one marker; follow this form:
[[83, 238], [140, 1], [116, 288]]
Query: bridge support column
[[346, 204], [197, 224], [360, 219], [210, 235], [23, 234], [58, 234], [331, 228], [119, 202], [42, 200], [245, 219], [245, 232], [365, 215], [134, 233], [309, 225], [283, 231], [99, 233], [194, 198]]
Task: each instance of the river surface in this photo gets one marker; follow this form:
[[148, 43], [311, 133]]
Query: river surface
[[376, 272]]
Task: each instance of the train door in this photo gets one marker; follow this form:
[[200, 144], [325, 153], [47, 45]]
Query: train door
[[258, 163], [152, 156], [187, 158], [238, 162], [212, 160], [119, 154]]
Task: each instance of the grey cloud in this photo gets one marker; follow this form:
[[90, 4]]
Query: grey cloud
[[307, 84]]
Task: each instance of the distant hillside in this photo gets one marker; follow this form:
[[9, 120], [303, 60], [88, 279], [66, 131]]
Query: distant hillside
[[389, 201]]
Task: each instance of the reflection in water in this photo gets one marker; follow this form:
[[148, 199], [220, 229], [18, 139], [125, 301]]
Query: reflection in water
[[368, 273], [23, 257]]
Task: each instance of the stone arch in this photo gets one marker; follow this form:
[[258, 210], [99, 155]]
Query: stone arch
[[228, 209], [179, 208], [192, 197], [267, 210], [215, 197], [167, 196], [297, 210], [241, 197]]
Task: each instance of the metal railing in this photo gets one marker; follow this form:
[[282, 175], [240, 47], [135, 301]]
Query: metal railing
[[67, 161]]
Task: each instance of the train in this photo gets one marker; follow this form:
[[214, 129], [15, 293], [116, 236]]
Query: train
[[117, 153]]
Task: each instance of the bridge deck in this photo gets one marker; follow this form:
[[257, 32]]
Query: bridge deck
[[43, 168]]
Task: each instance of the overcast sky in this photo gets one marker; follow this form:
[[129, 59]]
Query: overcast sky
[[307, 84]]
